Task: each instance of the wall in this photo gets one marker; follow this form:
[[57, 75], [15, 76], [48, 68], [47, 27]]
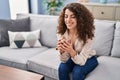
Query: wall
[[109, 1], [7, 10], [4, 9], [41, 7], [18, 6], [36, 7]]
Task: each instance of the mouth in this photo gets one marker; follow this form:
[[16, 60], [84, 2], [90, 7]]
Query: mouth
[[69, 24]]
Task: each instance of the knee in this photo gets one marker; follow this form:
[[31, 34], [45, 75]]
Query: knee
[[77, 72], [77, 75], [63, 68]]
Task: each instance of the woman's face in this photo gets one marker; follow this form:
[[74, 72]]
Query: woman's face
[[70, 20]]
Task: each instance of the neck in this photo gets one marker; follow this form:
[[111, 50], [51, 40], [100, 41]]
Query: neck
[[72, 32]]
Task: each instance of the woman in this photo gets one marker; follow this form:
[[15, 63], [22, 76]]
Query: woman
[[75, 39]]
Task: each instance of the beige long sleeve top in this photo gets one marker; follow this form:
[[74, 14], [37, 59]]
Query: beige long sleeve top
[[83, 52]]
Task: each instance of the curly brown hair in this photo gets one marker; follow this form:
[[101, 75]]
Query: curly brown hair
[[85, 21]]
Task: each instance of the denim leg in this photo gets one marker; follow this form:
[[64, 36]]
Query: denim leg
[[65, 69], [90, 65], [79, 72]]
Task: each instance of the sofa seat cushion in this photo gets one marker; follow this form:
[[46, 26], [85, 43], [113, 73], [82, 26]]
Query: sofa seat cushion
[[108, 69], [45, 63], [18, 57]]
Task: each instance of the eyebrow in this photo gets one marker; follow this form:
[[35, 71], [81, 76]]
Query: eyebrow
[[71, 14]]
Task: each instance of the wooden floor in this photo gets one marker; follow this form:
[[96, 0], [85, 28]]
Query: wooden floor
[[9, 73]]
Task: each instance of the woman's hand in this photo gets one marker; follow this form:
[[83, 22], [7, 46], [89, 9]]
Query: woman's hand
[[59, 44], [67, 46]]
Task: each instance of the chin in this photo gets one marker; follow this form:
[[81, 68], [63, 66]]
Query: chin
[[69, 27]]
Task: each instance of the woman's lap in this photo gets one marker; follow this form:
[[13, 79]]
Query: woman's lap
[[82, 71]]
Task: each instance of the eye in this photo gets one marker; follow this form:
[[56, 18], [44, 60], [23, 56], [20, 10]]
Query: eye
[[73, 16], [66, 16]]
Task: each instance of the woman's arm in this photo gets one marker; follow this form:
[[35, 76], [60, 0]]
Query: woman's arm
[[63, 55], [86, 52]]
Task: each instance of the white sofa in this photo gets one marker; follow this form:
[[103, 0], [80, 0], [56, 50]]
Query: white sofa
[[45, 60]]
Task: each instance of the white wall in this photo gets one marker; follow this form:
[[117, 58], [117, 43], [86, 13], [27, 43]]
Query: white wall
[[18, 6]]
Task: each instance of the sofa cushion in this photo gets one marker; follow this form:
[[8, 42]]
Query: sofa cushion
[[47, 24], [104, 32], [24, 39], [12, 25], [108, 69], [45, 63], [116, 42], [18, 57]]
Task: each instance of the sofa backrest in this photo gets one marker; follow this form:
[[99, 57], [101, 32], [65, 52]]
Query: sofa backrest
[[12, 25], [47, 25], [104, 33], [116, 42]]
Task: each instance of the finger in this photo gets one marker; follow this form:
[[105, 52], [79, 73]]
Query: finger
[[59, 42], [60, 46], [70, 43], [63, 47], [63, 40], [68, 46], [63, 37], [67, 43]]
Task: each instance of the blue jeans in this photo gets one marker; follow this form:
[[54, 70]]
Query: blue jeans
[[78, 72]]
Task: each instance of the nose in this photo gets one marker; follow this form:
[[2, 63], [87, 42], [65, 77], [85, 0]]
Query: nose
[[68, 19]]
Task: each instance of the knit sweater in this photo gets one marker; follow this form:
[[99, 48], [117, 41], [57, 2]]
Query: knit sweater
[[83, 52]]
